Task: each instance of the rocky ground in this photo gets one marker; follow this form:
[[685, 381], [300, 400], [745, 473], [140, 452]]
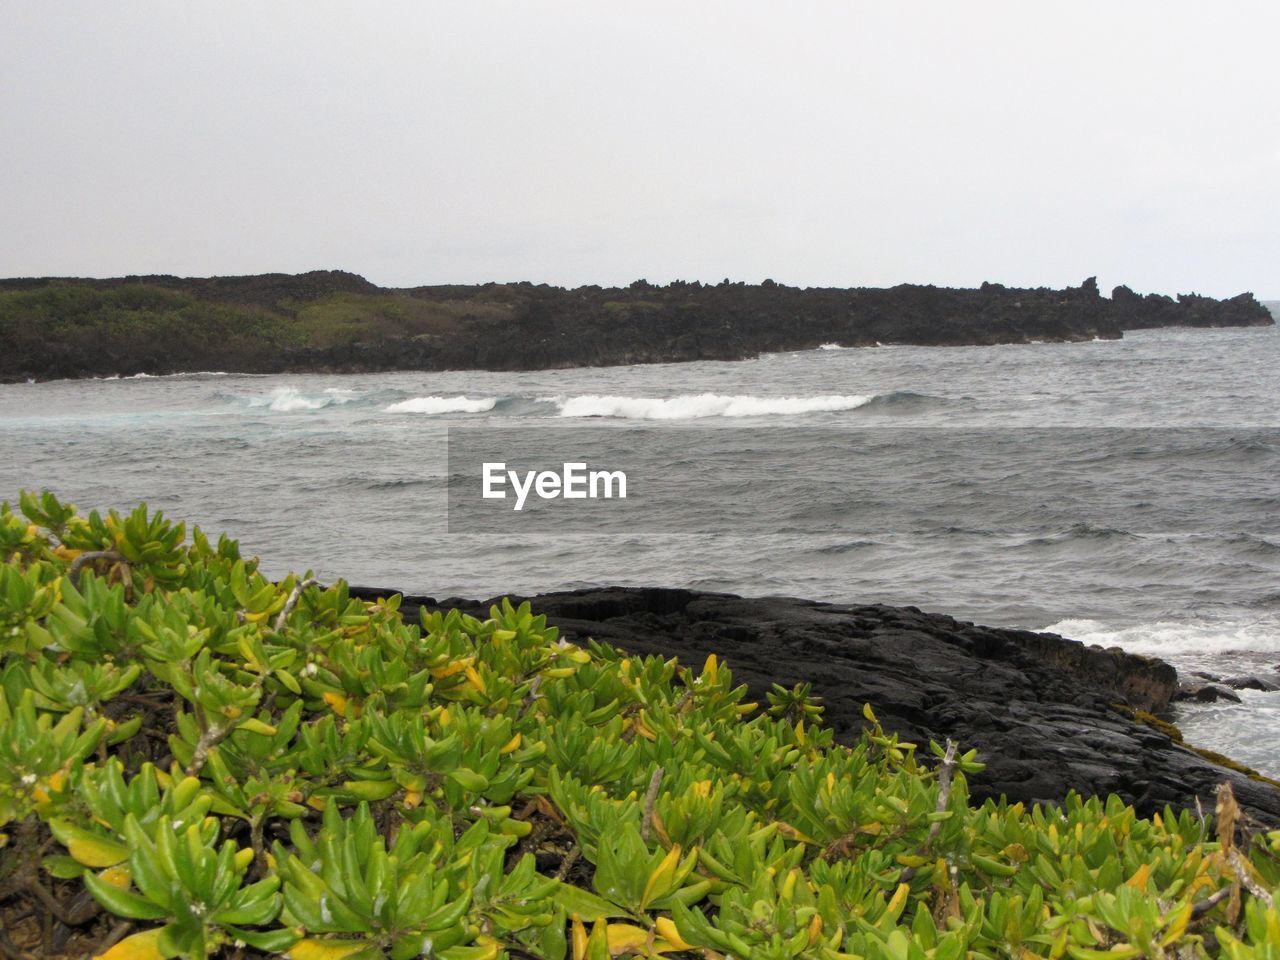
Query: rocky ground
[[1047, 714]]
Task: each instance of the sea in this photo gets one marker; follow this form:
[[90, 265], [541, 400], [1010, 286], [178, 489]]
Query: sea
[[1123, 493]]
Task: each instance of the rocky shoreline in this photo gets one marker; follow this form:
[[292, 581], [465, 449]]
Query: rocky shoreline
[[338, 322], [1047, 714]]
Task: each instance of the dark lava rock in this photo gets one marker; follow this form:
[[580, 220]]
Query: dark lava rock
[[1205, 675], [1206, 693], [1134, 312], [1252, 682], [1047, 714], [525, 326]]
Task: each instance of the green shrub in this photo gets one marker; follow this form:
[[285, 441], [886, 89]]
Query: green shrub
[[236, 767]]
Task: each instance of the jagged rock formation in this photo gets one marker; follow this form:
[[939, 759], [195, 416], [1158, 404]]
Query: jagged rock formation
[[1188, 310], [1047, 714], [331, 321]]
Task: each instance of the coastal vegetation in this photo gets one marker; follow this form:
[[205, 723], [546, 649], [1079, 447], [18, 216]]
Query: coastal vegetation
[[336, 321], [198, 761], [146, 328]]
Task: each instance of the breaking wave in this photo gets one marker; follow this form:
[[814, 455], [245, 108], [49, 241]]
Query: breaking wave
[[190, 375], [438, 405], [1172, 638], [906, 401], [290, 399]]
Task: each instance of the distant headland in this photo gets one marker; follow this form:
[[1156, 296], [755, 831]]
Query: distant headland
[[334, 321]]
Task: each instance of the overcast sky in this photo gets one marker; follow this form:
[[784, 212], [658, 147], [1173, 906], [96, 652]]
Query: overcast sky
[[840, 143]]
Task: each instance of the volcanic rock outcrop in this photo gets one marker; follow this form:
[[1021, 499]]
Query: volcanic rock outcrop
[[333, 321], [1047, 714]]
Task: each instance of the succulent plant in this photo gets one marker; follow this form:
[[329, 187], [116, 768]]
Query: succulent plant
[[230, 763]]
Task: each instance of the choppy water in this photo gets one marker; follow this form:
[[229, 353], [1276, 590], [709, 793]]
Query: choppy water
[[345, 475]]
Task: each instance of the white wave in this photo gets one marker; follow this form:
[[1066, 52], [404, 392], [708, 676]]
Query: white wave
[[691, 406], [1178, 639], [831, 346], [438, 405], [290, 399], [186, 375]]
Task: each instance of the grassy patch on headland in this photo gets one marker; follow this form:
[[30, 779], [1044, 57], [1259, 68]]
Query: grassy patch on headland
[[133, 329], [344, 318], [196, 761]]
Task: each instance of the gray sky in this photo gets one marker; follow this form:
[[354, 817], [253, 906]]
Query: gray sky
[[851, 143]]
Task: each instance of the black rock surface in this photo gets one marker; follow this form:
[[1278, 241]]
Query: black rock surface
[[1206, 692], [1047, 714], [1253, 681]]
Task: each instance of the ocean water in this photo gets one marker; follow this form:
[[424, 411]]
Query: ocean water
[[1119, 492]]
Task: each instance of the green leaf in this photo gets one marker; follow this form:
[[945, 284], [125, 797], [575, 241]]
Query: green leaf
[[123, 903], [469, 780], [585, 905], [62, 867], [1119, 952], [268, 941]]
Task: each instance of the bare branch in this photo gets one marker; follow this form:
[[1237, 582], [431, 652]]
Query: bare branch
[[292, 602], [209, 739], [73, 916], [945, 772], [73, 572], [1209, 902], [1240, 867], [569, 860], [650, 798], [115, 935]]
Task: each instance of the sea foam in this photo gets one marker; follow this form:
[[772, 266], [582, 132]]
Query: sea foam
[[290, 399], [1177, 639], [438, 405], [695, 406]]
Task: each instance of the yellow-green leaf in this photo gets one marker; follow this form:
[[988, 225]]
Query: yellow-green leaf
[[95, 852], [254, 725], [325, 949], [659, 881], [139, 946]]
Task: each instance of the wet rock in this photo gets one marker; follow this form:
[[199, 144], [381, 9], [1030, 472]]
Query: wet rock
[[1205, 675], [1047, 714], [1206, 692], [1252, 682]]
